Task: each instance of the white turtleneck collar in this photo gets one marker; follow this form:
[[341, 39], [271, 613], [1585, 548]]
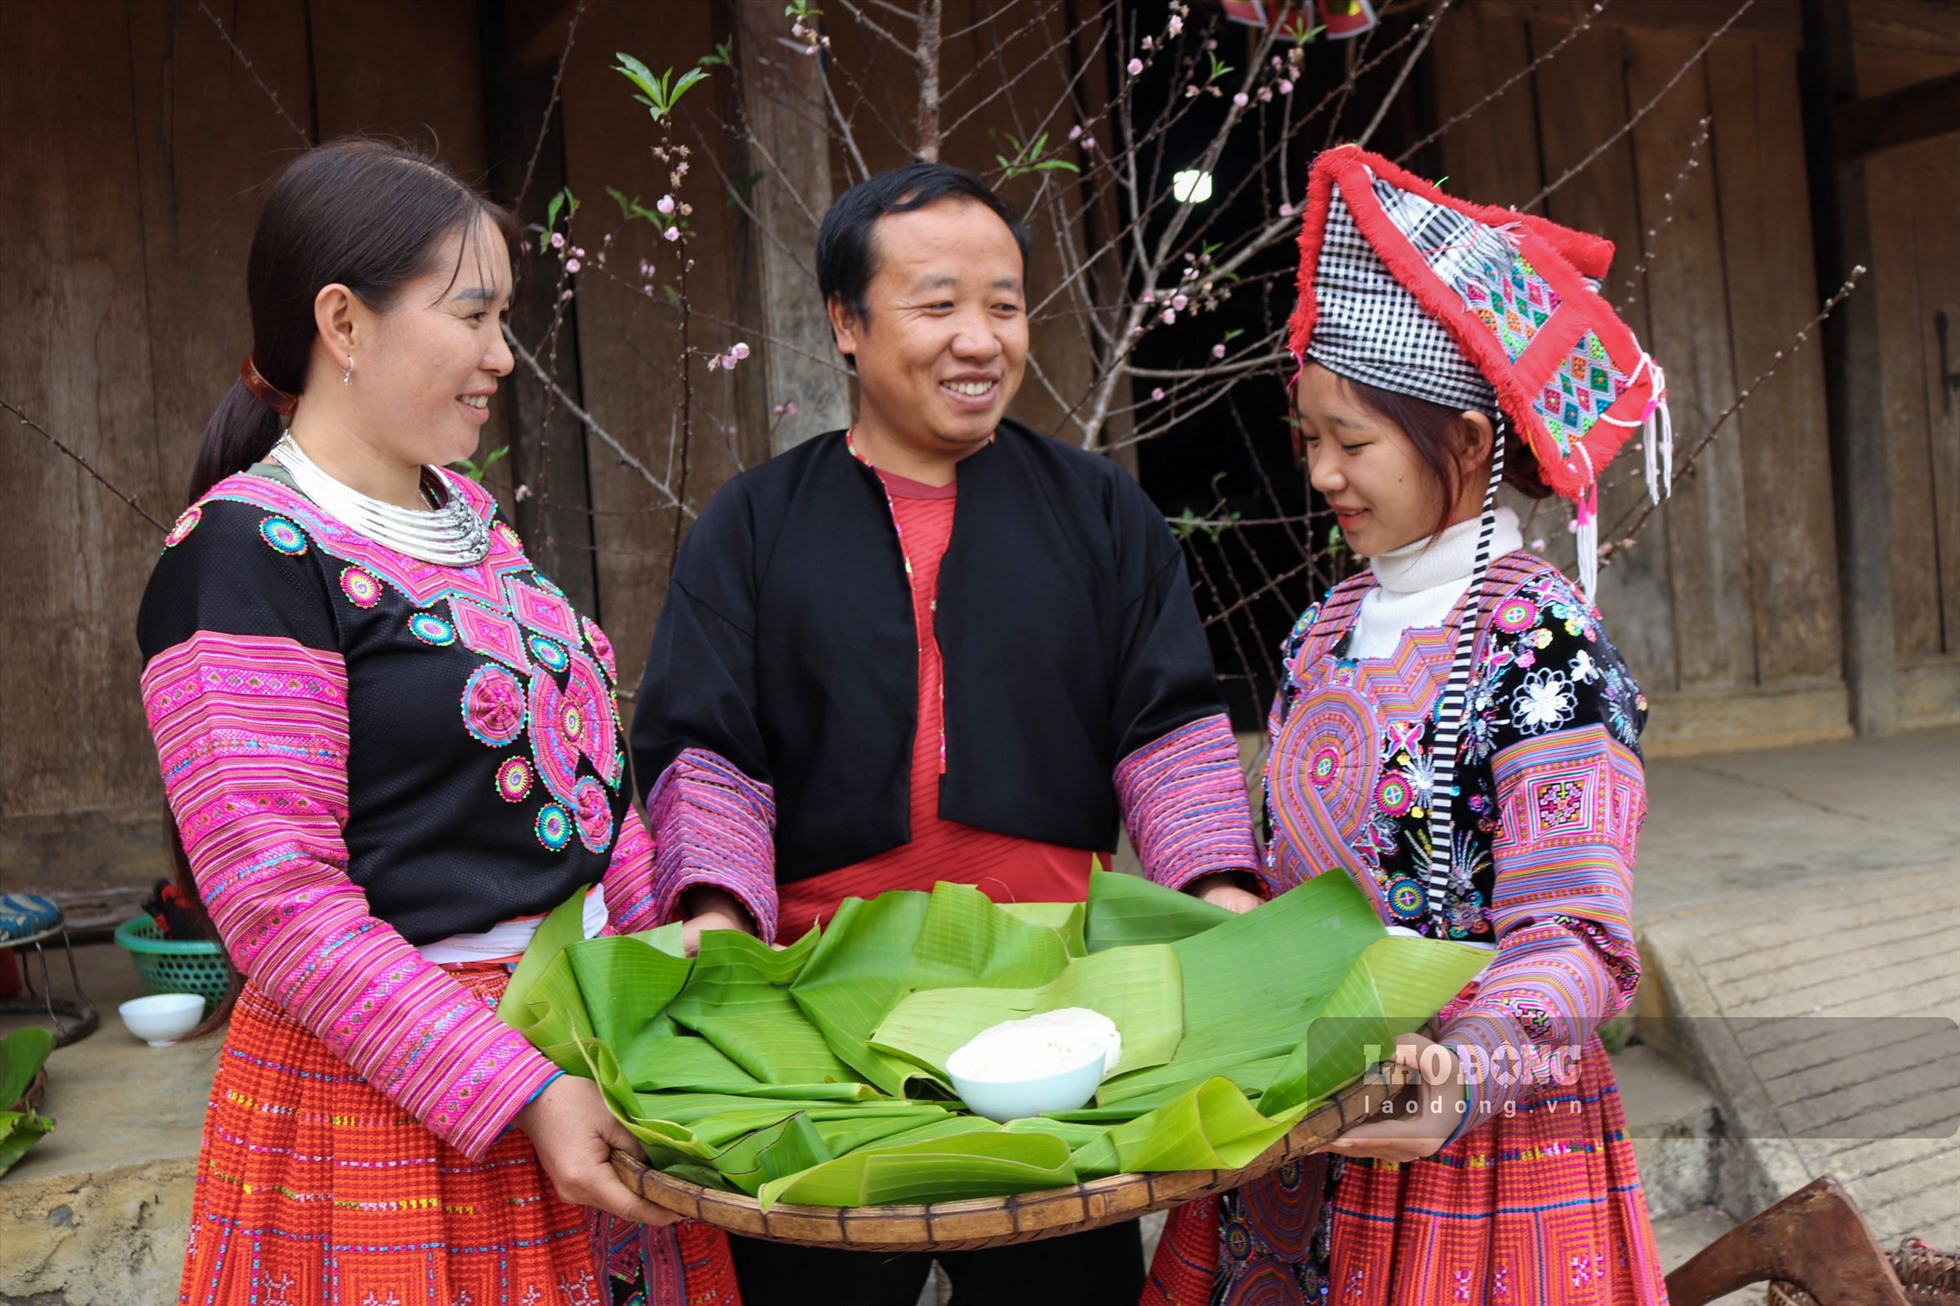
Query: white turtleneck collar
[[1417, 584]]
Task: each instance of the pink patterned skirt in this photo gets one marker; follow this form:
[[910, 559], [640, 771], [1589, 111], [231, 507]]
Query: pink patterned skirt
[[1541, 1209]]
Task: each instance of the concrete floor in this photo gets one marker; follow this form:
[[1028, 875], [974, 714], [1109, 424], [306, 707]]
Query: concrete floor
[[97, 1211]]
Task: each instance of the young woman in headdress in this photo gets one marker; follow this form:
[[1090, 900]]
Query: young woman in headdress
[[1456, 732], [389, 744]]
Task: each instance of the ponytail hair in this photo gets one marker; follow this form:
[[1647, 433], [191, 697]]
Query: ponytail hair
[[358, 212]]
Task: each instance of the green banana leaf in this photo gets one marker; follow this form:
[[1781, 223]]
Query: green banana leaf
[[1128, 985], [814, 1074], [22, 1054]]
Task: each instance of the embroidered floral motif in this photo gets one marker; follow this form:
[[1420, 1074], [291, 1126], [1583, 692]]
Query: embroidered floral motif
[[1516, 615], [493, 709], [360, 586], [186, 523], [1406, 898], [283, 536], [595, 823], [554, 827], [514, 780], [601, 647], [1325, 766], [1543, 702], [431, 629], [1394, 794], [548, 653]]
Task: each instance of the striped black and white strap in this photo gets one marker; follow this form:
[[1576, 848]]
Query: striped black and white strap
[[1454, 707]]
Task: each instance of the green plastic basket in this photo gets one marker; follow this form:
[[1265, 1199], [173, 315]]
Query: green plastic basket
[[175, 965]]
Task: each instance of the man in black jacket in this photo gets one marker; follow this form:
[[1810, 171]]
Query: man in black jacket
[[936, 646]]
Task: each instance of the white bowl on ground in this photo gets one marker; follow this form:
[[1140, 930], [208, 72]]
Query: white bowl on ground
[[162, 1018]]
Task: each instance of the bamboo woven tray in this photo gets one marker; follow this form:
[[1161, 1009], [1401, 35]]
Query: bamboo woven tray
[[997, 1221]]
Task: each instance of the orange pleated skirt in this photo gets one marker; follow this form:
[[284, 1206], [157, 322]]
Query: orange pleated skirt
[[314, 1189]]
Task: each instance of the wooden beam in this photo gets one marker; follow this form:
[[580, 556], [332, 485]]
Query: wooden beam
[[1911, 113], [1853, 371], [783, 108]]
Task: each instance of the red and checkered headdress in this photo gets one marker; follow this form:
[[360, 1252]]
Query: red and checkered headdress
[[1414, 291]]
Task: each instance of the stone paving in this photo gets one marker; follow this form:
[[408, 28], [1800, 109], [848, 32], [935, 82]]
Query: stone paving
[[1800, 919]]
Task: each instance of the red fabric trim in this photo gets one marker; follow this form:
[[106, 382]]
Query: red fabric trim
[[904, 487]]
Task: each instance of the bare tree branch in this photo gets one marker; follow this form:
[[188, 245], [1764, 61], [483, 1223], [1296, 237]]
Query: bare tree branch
[[305, 140], [1639, 113], [1621, 536], [586, 420], [84, 464], [550, 107]]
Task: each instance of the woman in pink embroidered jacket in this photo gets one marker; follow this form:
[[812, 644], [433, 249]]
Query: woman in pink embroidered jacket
[[389, 744], [1457, 734]]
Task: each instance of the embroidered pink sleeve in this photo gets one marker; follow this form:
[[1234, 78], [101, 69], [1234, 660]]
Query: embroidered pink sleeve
[[713, 825], [1184, 804], [629, 879], [1570, 808], [251, 735]]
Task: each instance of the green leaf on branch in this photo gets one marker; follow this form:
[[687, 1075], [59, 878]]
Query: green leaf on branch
[[660, 93], [475, 470], [1028, 157], [563, 202], [743, 188]]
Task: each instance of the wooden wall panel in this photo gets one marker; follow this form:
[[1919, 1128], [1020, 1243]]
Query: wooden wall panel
[[73, 310], [1492, 155], [1906, 385], [1688, 306], [1784, 433], [1916, 192], [1936, 246], [208, 141], [1582, 100], [407, 70]]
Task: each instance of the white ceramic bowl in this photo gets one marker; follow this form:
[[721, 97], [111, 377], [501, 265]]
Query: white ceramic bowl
[[1011, 1099], [162, 1018]]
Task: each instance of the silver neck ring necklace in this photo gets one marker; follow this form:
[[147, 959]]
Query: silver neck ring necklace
[[449, 534]]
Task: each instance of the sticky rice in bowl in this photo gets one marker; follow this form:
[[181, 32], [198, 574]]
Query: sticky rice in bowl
[[1051, 1062]]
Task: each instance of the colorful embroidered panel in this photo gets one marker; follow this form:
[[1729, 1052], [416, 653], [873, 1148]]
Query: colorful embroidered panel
[[1549, 804], [347, 744]]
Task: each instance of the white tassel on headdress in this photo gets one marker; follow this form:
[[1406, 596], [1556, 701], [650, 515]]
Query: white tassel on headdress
[[1586, 515], [1585, 518], [1657, 437]]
